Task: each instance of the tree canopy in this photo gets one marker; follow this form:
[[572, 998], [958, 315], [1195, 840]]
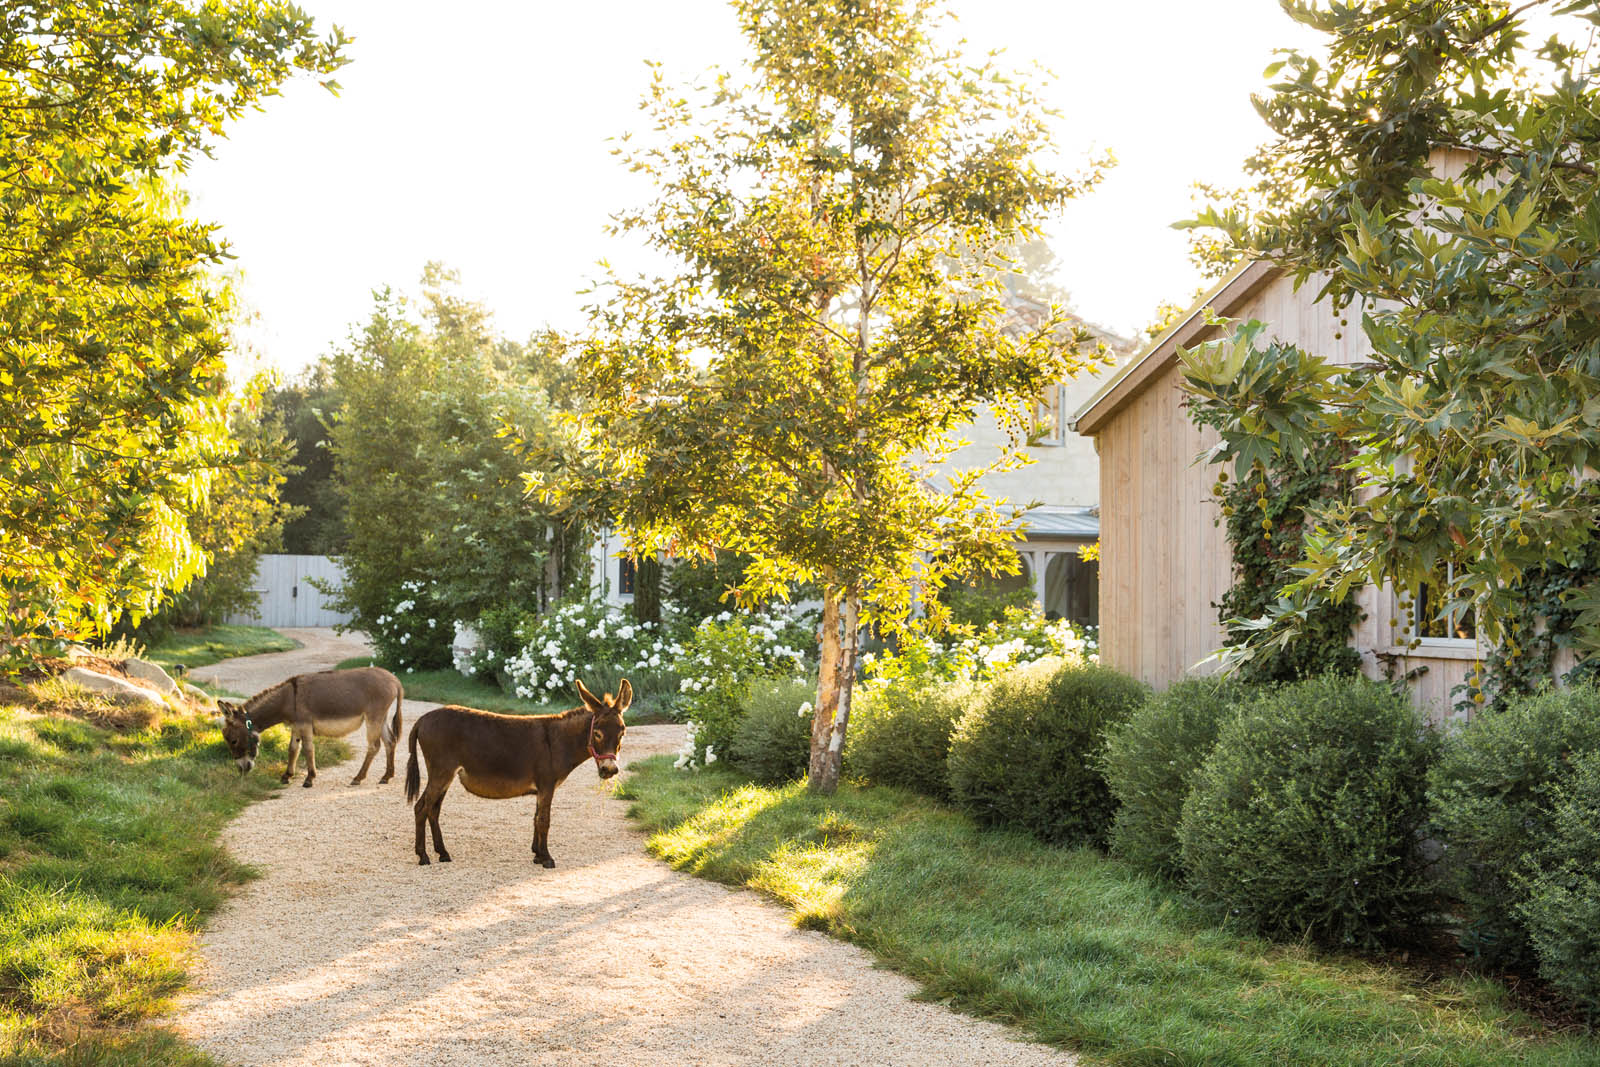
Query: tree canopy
[[432, 491], [1474, 425], [112, 335], [841, 213]]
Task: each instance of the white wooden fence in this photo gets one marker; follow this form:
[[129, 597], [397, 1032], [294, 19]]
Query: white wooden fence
[[285, 597]]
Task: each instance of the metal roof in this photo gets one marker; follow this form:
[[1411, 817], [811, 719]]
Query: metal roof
[[1053, 521]]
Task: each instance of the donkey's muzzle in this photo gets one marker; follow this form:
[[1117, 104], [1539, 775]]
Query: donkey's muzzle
[[245, 764], [607, 769]]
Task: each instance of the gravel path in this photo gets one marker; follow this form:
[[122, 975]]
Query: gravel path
[[347, 952]]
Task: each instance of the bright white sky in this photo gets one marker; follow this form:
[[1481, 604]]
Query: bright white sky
[[475, 133]]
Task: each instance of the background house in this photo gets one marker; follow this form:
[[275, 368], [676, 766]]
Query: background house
[[1164, 555], [1064, 479]]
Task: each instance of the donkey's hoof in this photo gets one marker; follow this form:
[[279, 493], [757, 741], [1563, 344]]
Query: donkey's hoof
[[307, 783], [284, 779], [355, 781], [444, 857], [547, 863], [423, 861], [385, 778]]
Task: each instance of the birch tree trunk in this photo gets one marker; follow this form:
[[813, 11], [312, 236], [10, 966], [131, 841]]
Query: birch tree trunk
[[841, 629]]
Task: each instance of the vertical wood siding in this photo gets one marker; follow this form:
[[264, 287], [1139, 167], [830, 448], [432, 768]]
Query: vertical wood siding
[[286, 597], [1164, 556]]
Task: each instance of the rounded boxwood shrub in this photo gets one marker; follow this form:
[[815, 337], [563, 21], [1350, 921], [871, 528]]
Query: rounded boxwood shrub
[[1306, 817], [1492, 790], [900, 735], [772, 740], [1027, 752], [1561, 903], [1151, 763]]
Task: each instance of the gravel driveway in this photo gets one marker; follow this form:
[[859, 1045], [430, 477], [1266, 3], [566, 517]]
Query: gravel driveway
[[347, 952]]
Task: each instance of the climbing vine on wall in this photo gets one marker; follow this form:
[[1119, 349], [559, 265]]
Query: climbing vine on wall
[[1264, 514], [1527, 658]]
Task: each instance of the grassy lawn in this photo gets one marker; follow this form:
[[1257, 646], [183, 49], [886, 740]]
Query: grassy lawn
[[1069, 945], [212, 644], [448, 686], [109, 862]]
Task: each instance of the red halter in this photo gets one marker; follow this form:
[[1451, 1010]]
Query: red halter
[[598, 756]]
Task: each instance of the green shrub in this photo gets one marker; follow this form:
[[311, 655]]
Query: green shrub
[[772, 741], [1151, 763], [720, 663], [1306, 818], [900, 735], [1561, 900], [1491, 792], [1027, 753]]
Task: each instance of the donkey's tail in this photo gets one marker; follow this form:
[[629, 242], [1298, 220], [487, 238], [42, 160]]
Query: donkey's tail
[[391, 729], [413, 772]]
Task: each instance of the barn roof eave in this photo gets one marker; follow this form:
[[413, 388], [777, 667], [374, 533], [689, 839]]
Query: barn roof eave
[[1238, 285]]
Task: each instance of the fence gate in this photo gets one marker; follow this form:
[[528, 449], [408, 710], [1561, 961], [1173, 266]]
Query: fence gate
[[285, 597]]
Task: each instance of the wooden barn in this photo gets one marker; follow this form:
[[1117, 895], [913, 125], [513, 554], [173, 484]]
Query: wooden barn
[[1164, 555]]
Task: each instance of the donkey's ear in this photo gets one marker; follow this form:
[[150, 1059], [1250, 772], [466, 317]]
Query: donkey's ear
[[586, 696], [624, 696]]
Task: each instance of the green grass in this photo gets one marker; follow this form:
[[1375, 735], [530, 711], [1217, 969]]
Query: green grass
[[1072, 946], [109, 861], [201, 648], [449, 686]]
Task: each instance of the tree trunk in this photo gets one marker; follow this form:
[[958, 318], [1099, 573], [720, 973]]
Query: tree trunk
[[647, 588], [841, 627]]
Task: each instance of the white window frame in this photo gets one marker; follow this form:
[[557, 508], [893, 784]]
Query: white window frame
[[1458, 646], [1057, 434]]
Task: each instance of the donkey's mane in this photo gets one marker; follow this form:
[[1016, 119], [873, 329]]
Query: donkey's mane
[[255, 701]]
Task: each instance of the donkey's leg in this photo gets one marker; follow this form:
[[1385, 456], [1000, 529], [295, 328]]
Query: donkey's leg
[[541, 829], [294, 750], [433, 824], [311, 755], [427, 810], [390, 740], [374, 730]]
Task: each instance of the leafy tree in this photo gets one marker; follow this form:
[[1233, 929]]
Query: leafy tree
[[111, 345], [1474, 419], [842, 212], [432, 492], [241, 518], [305, 407]]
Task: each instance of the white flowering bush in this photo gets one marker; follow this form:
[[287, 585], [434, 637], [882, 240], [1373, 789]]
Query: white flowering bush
[[726, 655], [412, 634], [969, 657], [577, 639]]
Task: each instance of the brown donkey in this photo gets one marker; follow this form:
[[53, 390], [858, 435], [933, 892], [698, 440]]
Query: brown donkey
[[504, 756], [326, 704]]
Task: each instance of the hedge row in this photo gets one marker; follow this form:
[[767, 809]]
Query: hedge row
[[1324, 810]]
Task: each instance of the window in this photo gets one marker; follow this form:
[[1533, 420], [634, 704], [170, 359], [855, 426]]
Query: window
[[1049, 422], [1460, 624], [625, 569]]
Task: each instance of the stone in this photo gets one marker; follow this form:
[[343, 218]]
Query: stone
[[113, 688], [196, 694], [153, 674]]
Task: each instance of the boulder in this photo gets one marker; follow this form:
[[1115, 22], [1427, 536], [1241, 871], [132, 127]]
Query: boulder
[[149, 672], [111, 687], [197, 695]]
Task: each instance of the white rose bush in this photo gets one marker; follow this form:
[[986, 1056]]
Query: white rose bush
[[412, 634], [723, 659], [586, 639], [1024, 636]]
